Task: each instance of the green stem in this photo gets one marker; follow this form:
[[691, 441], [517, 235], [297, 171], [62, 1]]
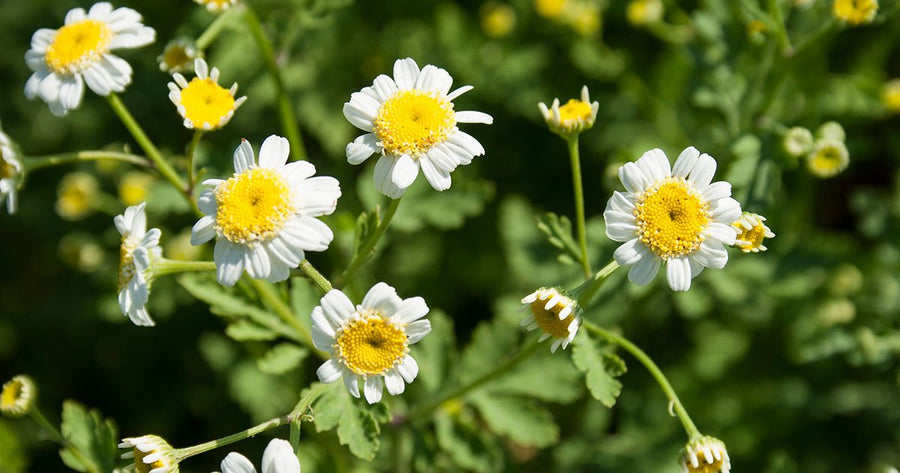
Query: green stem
[[192, 148], [310, 271], [784, 41], [150, 149], [182, 453], [423, 412], [813, 37], [214, 28], [635, 351], [572, 143], [586, 292], [165, 266], [285, 109], [35, 414], [368, 247], [33, 163], [271, 298]]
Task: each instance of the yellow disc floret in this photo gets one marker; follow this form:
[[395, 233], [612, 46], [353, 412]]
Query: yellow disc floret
[[252, 206], [671, 218], [205, 101], [126, 261], [141, 467], [370, 344], [78, 45], [828, 158], [855, 12], [575, 111], [548, 319], [412, 121]]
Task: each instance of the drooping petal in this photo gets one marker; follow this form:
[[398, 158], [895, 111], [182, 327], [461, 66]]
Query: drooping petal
[[374, 388], [329, 372], [678, 274], [361, 148], [643, 271], [394, 382]]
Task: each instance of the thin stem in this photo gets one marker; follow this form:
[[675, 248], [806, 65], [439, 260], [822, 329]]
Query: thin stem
[[35, 414], [150, 149], [689, 427], [192, 148], [165, 266], [423, 412], [214, 28], [33, 163], [586, 292], [285, 109], [572, 143], [310, 271], [784, 41], [271, 298], [182, 453], [368, 247], [817, 34]]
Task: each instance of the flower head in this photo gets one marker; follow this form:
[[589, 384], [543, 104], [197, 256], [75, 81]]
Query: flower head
[[264, 216], [705, 455], [497, 19], [855, 12], [550, 8], [797, 141], [828, 158], [202, 102], [76, 195], [674, 215], [10, 172], [178, 55], [556, 314], [151, 453], [410, 120], [18, 396], [63, 60], [138, 250], [370, 341], [573, 117], [134, 187], [751, 231], [278, 457], [217, 5], [643, 12], [890, 95], [831, 131]]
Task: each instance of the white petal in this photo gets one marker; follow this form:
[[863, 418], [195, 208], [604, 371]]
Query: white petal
[[722, 232], [279, 271], [726, 210], [434, 78], [696, 267], [439, 179], [620, 203], [711, 254], [373, 389], [642, 272], [717, 190], [71, 91], [404, 172], [243, 157], [685, 162], [678, 273], [468, 143], [406, 72], [394, 383], [633, 178], [274, 152], [203, 231], [236, 463], [323, 323], [361, 148], [229, 259], [655, 165], [33, 84], [49, 88], [384, 168], [150, 239], [384, 87], [329, 372], [133, 38], [408, 368], [410, 309], [383, 298], [336, 306], [306, 233], [284, 252], [630, 252], [257, 262], [43, 38], [279, 457], [417, 330], [703, 171], [459, 91], [100, 10], [443, 157], [618, 230], [351, 382], [322, 340], [316, 196], [474, 117], [294, 173]]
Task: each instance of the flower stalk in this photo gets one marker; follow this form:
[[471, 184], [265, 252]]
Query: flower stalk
[[368, 247], [33, 163], [572, 144]]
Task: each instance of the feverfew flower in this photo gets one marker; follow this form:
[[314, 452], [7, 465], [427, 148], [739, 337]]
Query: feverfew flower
[[705, 455], [573, 117], [10, 172], [497, 19], [278, 457], [556, 314], [202, 102], [17, 396], [76, 195], [370, 341], [63, 60], [178, 55], [151, 453], [890, 95], [855, 12], [217, 5], [409, 119], [673, 215], [643, 12], [828, 158], [263, 217], [797, 141], [134, 187], [831, 131], [751, 231], [139, 247]]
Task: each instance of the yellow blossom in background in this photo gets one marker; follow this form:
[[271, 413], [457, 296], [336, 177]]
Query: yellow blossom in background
[[643, 12], [890, 95], [583, 18], [550, 8], [76, 195], [497, 19], [179, 248], [217, 5], [855, 12], [828, 158], [134, 187], [18, 396], [178, 56]]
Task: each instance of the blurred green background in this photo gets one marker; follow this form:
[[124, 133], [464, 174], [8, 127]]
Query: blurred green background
[[789, 356]]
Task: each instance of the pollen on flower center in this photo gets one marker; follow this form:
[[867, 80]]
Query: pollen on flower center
[[671, 219], [575, 110], [205, 101], [126, 262], [412, 121], [252, 206], [549, 320], [12, 391], [140, 466], [370, 345], [78, 45], [753, 237]]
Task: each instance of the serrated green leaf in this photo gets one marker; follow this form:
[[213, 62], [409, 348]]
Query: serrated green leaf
[[599, 377], [244, 330], [558, 229], [365, 226], [547, 378], [522, 420], [493, 340], [467, 444], [746, 150], [358, 424], [95, 439], [282, 358]]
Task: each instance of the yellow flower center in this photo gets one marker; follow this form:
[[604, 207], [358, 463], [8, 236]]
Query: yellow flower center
[[205, 101], [7, 169], [714, 467], [575, 111], [549, 320], [77, 46], [370, 345], [412, 121], [753, 237], [550, 8], [141, 467], [891, 95], [855, 11], [176, 57], [12, 391], [828, 161], [671, 219], [252, 206], [126, 262]]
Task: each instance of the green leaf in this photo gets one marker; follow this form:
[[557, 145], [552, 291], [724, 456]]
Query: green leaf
[[559, 233], [600, 368], [358, 423], [492, 341], [244, 330], [366, 224], [746, 150], [282, 358], [522, 420], [467, 443], [547, 378], [94, 438], [532, 263]]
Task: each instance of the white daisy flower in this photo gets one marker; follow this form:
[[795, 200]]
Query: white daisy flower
[[10, 173], [410, 121], [705, 455], [139, 247], [672, 215], [556, 314], [202, 102], [278, 457], [751, 232], [370, 341], [263, 217], [151, 454], [64, 59], [828, 158]]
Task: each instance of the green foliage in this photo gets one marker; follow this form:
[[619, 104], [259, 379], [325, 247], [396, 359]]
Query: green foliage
[[559, 233], [358, 424], [281, 358], [94, 440], [600, 366]]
